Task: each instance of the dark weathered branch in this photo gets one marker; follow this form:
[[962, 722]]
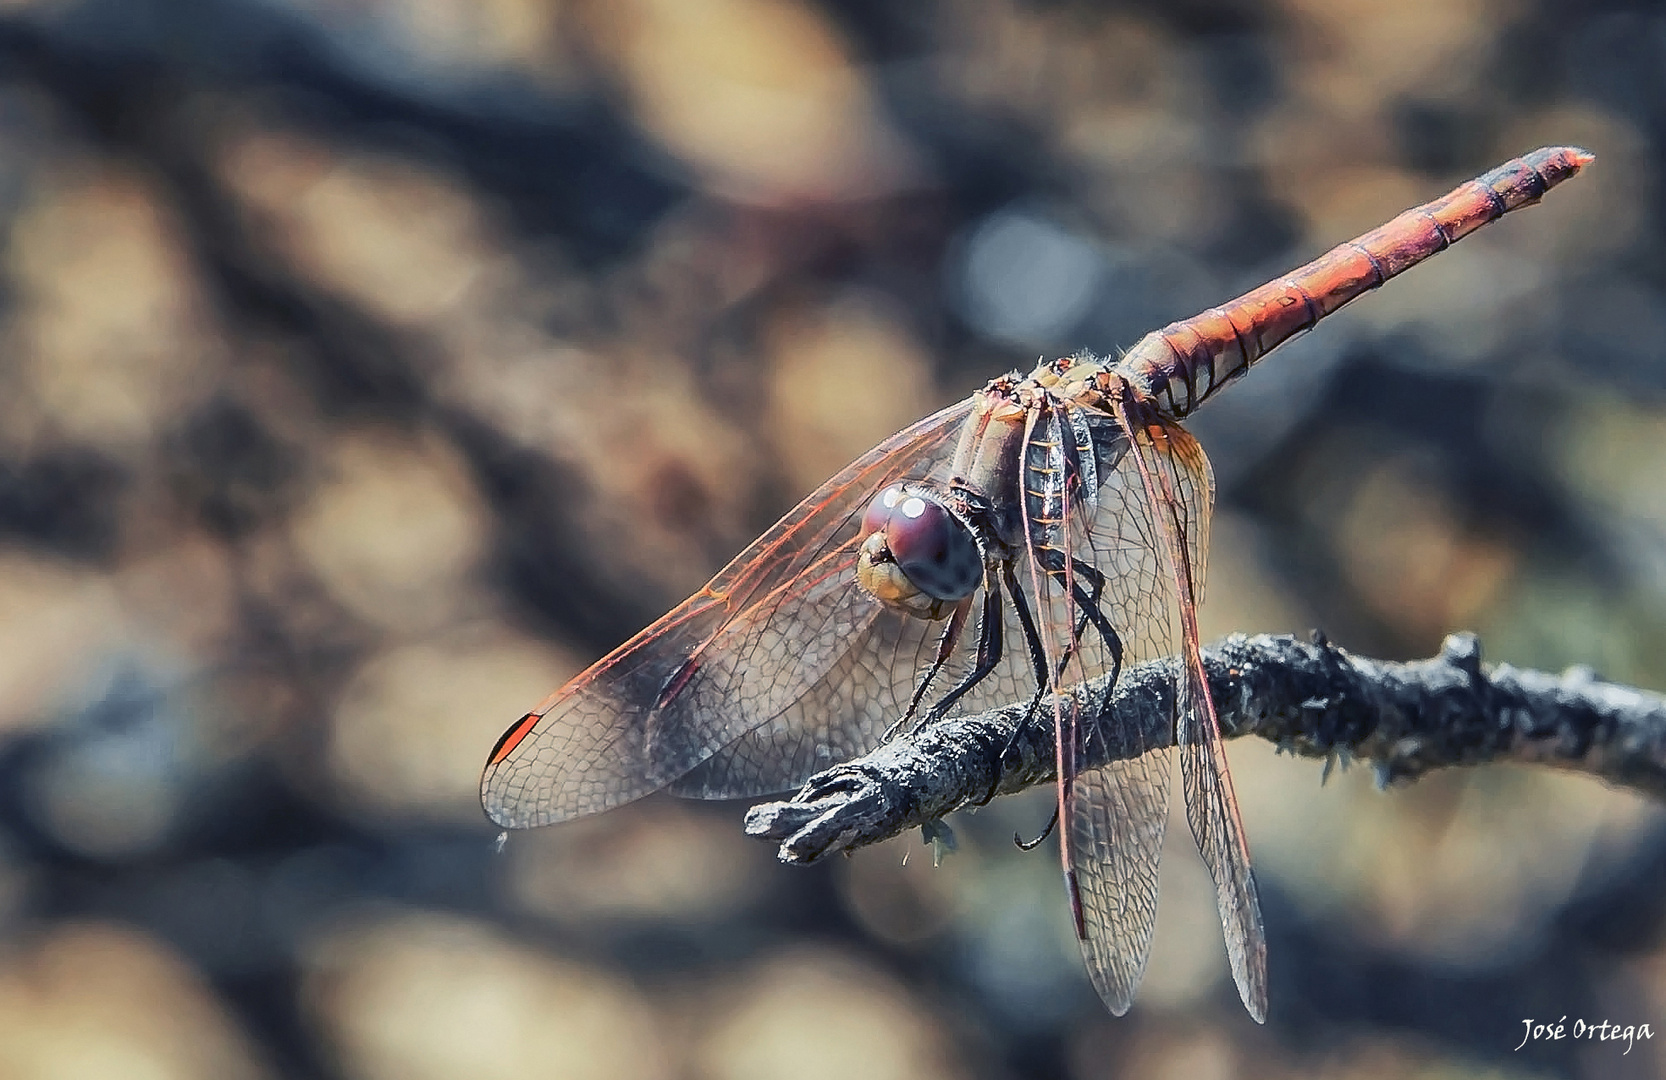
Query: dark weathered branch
[[1309, 698]]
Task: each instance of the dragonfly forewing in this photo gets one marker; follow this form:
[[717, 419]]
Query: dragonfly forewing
[[724, 662]]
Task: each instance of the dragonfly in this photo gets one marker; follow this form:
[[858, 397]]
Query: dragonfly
[[1036, 536]]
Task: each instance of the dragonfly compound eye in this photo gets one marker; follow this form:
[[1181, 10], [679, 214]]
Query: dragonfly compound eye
[[916, 555]]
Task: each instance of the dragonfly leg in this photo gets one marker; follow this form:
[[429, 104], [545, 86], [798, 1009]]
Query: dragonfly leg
[[988, 655], [1038, 664], [1093, 613], [1032, 637], [1031, 845], [945, 649], [1089, 601]]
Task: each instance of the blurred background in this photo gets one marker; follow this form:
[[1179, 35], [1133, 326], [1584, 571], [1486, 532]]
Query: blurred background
[[369, 367]]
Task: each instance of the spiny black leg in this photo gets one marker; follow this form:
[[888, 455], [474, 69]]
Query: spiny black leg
[[1038, 664], [1031, 845], [1089, 599], [1089, 602], [1032, 637], [1054, 565], [945, 649], [1097, 580], [989, 654], [1092, 614], [1092, 611]]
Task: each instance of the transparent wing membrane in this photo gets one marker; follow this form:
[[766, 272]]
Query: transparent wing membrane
[[761, 645], [783, 666], [1117, 812], [1118, 815], [1175, 474], [1127, 594]]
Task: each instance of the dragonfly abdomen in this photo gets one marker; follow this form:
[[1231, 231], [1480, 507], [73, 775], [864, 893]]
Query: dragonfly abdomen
[[1185, 362]]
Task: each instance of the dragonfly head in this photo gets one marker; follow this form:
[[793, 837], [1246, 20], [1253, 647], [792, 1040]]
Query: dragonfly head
[[917, 555]]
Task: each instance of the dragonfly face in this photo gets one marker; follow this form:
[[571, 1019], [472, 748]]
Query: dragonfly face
[[918, 554], [1070, 510]]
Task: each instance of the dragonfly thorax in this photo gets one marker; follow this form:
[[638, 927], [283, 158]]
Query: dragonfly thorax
[[917, 554]]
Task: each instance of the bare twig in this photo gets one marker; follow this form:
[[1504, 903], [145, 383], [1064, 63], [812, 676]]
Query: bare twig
[[1308, 697]]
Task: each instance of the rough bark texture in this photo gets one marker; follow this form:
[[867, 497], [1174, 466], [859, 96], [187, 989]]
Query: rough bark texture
[[1307, 697]]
